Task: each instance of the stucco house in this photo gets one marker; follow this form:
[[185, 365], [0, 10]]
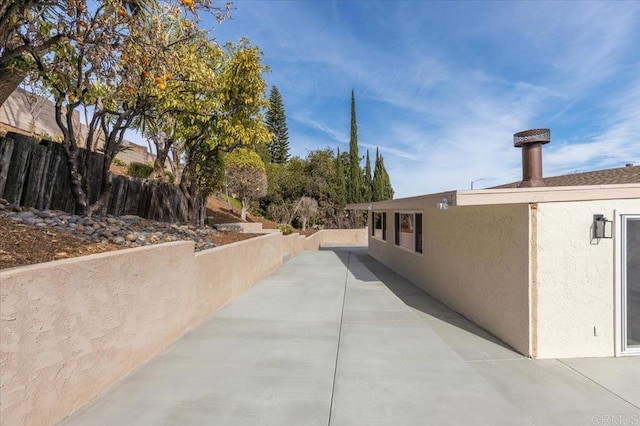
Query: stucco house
[[551, 266]]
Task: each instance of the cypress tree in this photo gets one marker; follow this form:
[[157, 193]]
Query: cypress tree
[[377, 191], [387, 188], [381, 184], [341, 190], [354, 177], [367, 182], [276, 122]]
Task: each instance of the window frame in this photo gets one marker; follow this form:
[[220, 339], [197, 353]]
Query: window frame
[[383, 228], [417, 231]]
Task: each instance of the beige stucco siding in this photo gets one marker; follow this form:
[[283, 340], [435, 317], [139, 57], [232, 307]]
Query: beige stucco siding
[[475, 259], [576, 280]]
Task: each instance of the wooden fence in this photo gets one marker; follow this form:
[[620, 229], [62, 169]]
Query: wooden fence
[[36, 175]]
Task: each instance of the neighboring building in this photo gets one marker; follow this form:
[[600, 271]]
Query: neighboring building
[[527, 264], [27, 113]]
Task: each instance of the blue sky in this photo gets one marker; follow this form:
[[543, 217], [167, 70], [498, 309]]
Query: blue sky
[[441, 87]]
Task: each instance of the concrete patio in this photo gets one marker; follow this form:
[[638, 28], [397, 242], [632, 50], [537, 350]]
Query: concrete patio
[[334, 337]]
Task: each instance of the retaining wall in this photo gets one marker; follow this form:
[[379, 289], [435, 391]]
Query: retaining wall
[[37, 175], [71, 328]]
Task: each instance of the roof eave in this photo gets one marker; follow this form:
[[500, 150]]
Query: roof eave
[[508, 196]]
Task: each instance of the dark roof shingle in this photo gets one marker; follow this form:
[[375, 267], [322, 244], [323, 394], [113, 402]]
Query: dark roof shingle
[[627, 174]]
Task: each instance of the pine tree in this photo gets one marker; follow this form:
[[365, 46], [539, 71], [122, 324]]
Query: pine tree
[[276, 122], [367, 182], [354, 177]]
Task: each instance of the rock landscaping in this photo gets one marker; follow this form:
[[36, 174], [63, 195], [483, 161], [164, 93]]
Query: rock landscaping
[[130, 231]]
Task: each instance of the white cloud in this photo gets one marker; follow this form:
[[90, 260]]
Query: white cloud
[[442, 88]]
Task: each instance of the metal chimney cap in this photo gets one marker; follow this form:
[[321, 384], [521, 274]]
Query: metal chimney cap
[[531, 136]]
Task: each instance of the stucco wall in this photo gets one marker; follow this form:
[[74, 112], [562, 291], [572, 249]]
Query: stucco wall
[[223, 272], [292, 244], [475, 259], [296, 243], [71, 328], [355, 237], [576, 280]]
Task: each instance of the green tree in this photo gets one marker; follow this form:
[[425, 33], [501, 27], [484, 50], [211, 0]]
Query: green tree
[[320, 176], [307, 209], [85, 71], [367, 182], [341, 186], [388, 189], [231, 119], [206, 110], [105, 65], [354, 176], [30, 29], [276, 121], [286, 184], [377, 186], [381, 184], [246, 176]]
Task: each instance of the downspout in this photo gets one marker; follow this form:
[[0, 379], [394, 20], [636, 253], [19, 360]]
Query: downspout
[[533, 280]]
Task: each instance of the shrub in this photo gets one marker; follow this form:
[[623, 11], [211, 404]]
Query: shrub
[[44, 136], [139, 170], [286, 229], [118, 162]]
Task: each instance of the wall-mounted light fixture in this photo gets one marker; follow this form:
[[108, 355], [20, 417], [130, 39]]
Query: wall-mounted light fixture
[[601, 227], [444, 204]]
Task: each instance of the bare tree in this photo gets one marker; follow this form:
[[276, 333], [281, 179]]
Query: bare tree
[[307, 209], [246, 177]]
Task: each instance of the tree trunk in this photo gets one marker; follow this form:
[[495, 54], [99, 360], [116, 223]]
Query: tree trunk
[[203, 211], [245, 205], [10, 79], [75, 179], [158, 165], [106, 183]]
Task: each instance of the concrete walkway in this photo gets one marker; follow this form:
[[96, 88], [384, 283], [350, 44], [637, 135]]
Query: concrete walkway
[[335, 338]]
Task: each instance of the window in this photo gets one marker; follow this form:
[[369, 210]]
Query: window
[[408, 231], [418, 232], [379, 228]]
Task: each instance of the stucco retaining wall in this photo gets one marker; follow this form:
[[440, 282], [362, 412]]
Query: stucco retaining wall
[[575, 280], [71, 328], [245, 227], [292, 244], [324, 237], [228, 271], [475, 259]]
